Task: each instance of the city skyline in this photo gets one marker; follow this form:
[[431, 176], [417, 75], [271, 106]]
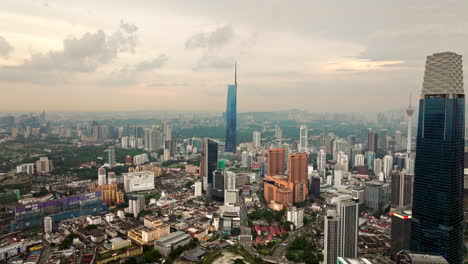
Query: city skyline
[[294, 59]]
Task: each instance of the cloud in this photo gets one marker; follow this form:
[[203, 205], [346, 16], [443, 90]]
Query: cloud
[[152, 64], [213, 62], [5, 47], [79, 55], [128, 75], [210, 40]]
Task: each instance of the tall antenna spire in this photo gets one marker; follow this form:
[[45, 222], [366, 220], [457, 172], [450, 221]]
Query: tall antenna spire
[[235, 73]]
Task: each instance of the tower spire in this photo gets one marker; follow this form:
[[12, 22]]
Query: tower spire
[[235, 73]]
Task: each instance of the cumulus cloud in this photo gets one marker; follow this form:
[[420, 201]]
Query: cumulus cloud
[[5, 47], [79, 54]]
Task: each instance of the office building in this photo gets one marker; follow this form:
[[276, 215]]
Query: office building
[[348, 211], [387, 165], [303, 138], [244, 157], [383, 134], [315, 185], [402, 189], [400, 231], [48, 224], [231, 115], [437, 225], [257, 139], [339, 145], [44, 165], [398, 141], [331, 231], [231, 194], [377, 197], [208, 162], [409, 113], [322, 161], [138, 181], [372, 141], [167, 130], [218, 186], [102, 177], [154, 140]]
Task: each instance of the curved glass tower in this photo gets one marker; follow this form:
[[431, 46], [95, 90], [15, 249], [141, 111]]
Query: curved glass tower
[[231, 115], [437, 225]]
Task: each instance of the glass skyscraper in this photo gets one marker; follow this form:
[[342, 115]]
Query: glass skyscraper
[[437, 225], [231, 115]]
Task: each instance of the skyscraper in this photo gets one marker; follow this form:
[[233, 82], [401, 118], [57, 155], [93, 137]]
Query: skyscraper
[[409, 112], [372, 141], [208, 162], [437, 225], [167, 130], [256, 139], [111, 156], [322, 161], [276, 162], [298, 175], [402, 189], [401, 231], [231, 115], [303, 138], [331, 230]]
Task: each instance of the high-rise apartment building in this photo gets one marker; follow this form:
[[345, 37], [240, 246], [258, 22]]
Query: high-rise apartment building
[[256, 139], [359, 160], [208, 162], [44, 165], [231, 115], [387, 165], [102, 177], [437, 225], [298, 175], [377, 166], [111, 156], [303, 139], [276, 162], [322, 161]]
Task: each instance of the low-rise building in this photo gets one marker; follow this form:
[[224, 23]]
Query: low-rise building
[[167, 243]]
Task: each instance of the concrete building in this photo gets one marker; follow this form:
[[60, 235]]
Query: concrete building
[[102, 177], [296, 216], [136, 204], [304, 139], [231, 194], [48, 224], [400, 232], [359, 160], [378, 166], [27, 168], [407, 257], [44, 165], [198, 188], [402, 189], [322, 161], [387, 165], [167, 243], [257, 139], [377, 197], [372, 141], [138, 181], [331, 230]]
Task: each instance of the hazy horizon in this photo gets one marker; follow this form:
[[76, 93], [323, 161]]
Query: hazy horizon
[[334, 56]]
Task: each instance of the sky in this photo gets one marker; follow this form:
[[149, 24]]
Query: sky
[[319, 56]]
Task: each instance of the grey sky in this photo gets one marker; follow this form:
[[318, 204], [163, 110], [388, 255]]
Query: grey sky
[[177, 54]]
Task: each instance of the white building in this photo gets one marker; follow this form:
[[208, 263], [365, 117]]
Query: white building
[[338, 177], [140, 159], [387, 165], [124, 142], [136, 204], [138, 181], [257, 139], [377, 166], [102, 178], [244, 157], [296, 216], [27, 168], [230, 192], [358, 160], [167, 130], [198, 188], [321, 161], [303, 137], [48, 224]]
